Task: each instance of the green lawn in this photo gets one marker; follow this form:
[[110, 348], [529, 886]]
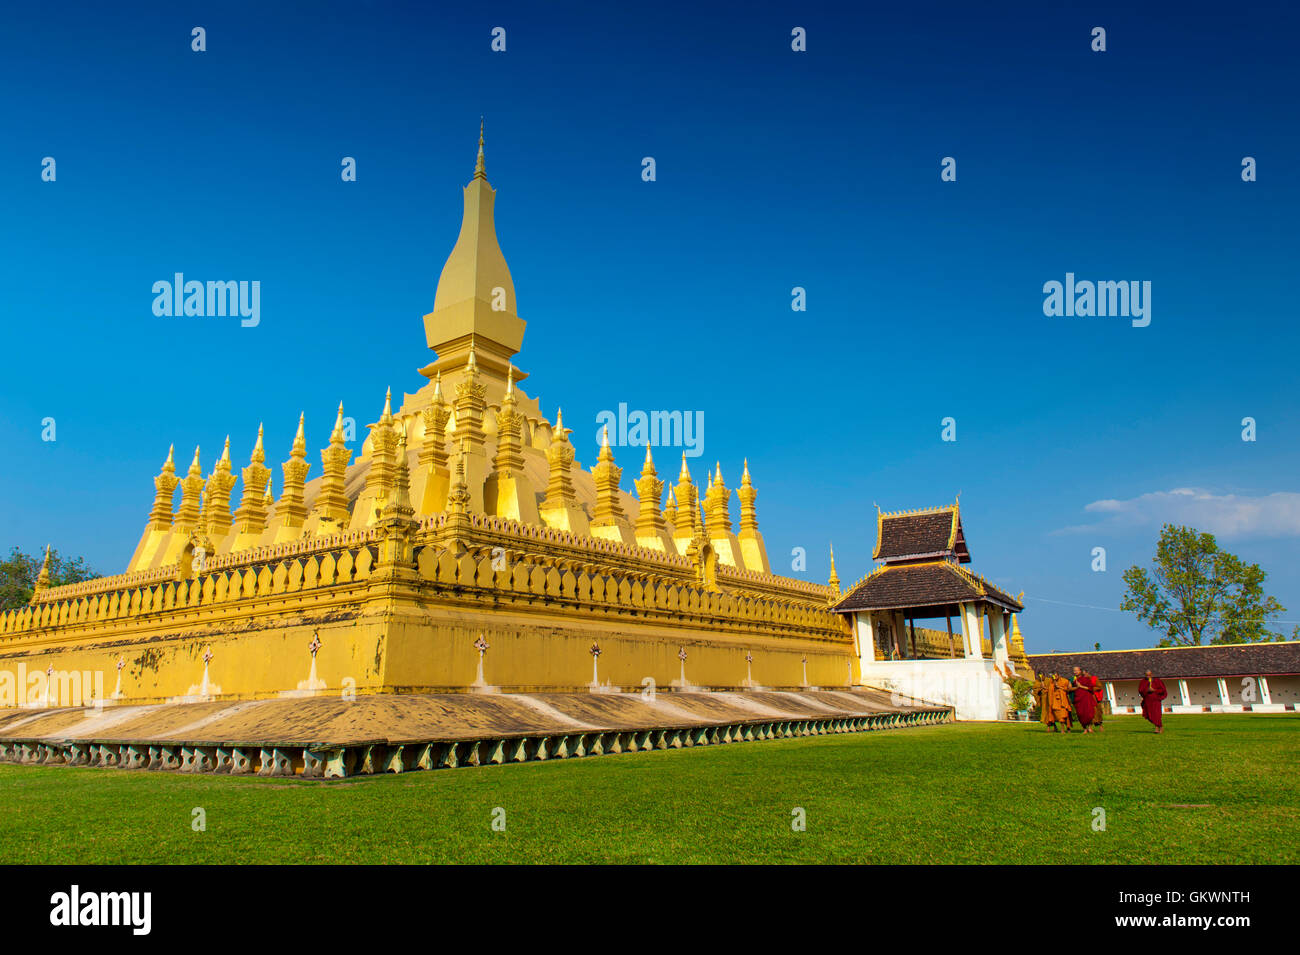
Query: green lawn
[[1211, 789]]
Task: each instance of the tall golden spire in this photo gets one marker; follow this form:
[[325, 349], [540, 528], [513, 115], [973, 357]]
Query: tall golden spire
[[475, 300], [834, 578]]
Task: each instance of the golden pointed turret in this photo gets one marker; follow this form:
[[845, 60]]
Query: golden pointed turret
[[398, 504], [250, 518], [717, 503], [651, 529], [160, 517], [291, 510], [433, 479], [686, 504], [834, 581], [456, 527], [670, 509], [510, 423], [384, 438], [157, 531], [508, 492], [608, 519], [560, 507], [43, 576], [329, 514], [216, 497], [752, 549], [187, 515], [1017, 649]]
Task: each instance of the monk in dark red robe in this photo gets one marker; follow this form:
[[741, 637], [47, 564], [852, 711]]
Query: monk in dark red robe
[[1152, 690], [1085, 703]]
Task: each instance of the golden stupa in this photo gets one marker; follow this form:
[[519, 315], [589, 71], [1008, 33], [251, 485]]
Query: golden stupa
[[462, 524]]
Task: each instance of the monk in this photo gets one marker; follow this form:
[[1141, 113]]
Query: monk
[[1040, 698], [1100, 695], [1056, 704], [1152, 690], [1085, 703]]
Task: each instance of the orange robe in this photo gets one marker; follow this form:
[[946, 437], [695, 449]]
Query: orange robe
[[1058, 700]]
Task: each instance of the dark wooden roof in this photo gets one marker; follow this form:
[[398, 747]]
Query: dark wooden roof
[[930, 585], [921, 535], [1237, 659]]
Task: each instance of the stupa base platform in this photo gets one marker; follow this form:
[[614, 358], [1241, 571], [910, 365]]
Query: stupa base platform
[[328, 737]]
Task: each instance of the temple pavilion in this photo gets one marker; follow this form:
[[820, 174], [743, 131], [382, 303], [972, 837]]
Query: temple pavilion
[[923, 577]]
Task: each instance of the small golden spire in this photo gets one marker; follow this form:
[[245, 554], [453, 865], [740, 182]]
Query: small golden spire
[[744, 478], [299, 440], [42, 578], [480, 171], [170, 464], [510, 378], [387, 416], [437, 385], [834, 579], [605, 453], [259, 453], [336, 436], [225, 455], [649, 461], [195, 470], [685, 474]]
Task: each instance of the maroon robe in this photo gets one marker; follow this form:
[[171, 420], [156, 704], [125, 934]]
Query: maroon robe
[[1085, 704], [1085, 700], [1152, 694]]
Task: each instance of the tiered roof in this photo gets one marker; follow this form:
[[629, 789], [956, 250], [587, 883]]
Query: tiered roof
[[923, 551], [920, 535]]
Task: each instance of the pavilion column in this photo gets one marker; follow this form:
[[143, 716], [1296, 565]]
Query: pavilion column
[[998, 639], [1110, 695], [1264, 696], [1182, 689], [900, 633], [866, 637], [972, 630], [1223, 691]]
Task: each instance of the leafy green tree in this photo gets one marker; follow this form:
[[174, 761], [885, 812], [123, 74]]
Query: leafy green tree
[[18, 575], [1197, 593]]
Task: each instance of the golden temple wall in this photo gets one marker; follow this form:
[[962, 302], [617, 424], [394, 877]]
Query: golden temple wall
[[540, 599]]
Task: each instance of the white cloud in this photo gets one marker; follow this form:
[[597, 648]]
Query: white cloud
[[1224, 515]]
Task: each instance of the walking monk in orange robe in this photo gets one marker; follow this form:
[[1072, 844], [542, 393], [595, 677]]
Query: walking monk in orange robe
[[1056, 703], [1085, 703], [1152, 690]]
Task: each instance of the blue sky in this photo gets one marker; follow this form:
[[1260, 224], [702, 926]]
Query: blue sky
[[775, 169]]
